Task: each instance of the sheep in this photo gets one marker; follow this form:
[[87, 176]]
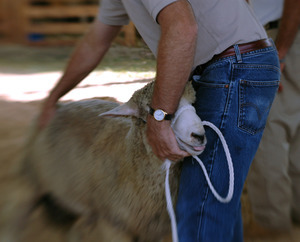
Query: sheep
[[102, 169]]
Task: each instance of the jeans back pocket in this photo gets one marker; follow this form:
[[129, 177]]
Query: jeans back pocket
[[255, 101]]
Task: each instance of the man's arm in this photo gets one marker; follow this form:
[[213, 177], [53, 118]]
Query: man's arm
[[175, 58], [87, 55], [289, 26]]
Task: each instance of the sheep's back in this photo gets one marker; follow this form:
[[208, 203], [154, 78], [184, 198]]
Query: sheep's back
[[59, 158]]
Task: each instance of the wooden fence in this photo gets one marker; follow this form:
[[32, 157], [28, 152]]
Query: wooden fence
[[51, 22]]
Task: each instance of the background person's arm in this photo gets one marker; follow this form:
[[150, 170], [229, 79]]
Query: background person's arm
[[86, 56], [175, 58], [289, 26]]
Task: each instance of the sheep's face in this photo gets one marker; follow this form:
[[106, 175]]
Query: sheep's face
[[186, 124]]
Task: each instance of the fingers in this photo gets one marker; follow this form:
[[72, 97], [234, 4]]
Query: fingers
[[169, 152], [45, 117], [163, 142]]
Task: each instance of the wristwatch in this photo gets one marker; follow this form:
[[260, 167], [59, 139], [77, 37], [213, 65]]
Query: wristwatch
[[160, 115]]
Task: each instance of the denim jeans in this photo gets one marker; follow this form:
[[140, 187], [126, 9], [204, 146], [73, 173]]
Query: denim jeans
[[234, 93]]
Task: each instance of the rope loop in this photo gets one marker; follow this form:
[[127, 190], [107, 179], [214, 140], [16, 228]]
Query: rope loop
[[227, 199]]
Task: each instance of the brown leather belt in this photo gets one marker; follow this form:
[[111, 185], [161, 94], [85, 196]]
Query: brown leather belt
[[244, 48]]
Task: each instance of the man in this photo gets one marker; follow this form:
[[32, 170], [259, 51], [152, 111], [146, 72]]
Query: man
[[223, 46], [274, 179]]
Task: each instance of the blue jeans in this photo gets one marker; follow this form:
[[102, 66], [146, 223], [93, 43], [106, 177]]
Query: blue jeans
[[234, 93]]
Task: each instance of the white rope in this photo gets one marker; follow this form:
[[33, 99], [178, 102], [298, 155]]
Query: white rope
[[167, 164], [230, 167]]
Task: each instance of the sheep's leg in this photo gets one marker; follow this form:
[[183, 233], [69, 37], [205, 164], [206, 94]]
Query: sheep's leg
[[91, 229], [18, 200]]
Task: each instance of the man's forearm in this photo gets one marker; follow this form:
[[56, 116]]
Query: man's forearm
[[87, 55], [289, 26], [175, 56]]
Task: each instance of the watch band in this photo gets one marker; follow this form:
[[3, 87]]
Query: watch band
[[166, 117]]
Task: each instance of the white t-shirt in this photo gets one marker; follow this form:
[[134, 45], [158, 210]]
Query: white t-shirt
[[267, 10], [221, 23]]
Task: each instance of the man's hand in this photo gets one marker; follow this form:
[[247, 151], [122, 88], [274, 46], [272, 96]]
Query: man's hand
[[162, 140], [47, 113]]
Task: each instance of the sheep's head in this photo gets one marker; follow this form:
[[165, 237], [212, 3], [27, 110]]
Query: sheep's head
[[186, 124]]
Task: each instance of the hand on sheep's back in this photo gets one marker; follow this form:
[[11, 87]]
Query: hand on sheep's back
[[46, 115], [162, 140]]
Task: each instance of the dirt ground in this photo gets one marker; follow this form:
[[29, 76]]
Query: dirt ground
[[26, 76]]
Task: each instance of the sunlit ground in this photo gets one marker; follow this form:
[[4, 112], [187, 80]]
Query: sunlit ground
[[28, 74], [29, 87]]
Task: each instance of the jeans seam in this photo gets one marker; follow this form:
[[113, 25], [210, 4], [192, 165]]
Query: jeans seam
[[252, 66], [201, 212], [259, 51], [245, 55]]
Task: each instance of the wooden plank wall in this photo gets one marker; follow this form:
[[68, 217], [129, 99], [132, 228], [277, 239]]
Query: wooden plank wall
[[10, 18], [51, 22], [3, 23]]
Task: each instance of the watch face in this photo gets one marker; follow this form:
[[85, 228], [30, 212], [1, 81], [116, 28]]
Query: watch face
[[159, 115]]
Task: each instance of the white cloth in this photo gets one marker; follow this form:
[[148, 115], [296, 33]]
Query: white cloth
[[220, 23], [267, 10]]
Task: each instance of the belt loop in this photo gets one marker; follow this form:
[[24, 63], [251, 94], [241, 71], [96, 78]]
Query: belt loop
[[273, 44], [238, 54]]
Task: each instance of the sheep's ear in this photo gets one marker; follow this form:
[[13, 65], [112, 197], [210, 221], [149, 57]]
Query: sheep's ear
[[126, 109]]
